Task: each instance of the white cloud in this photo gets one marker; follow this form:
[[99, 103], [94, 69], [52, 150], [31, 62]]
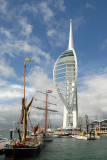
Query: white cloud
[[104, 45], [14, 46], [92, 100], [77, 22], [26, 28], [10, 92], [5, 32], [9, 114], [57, 35], [90, 6], [3, 82], [29, 8], [59, 4], [3, 6], [6, 70], [39, 79], [46, 11], [51, 32]]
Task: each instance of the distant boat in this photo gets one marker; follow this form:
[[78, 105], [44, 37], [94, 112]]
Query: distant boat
[[87, 137], [3, 139], [3, 142], [22, 147]]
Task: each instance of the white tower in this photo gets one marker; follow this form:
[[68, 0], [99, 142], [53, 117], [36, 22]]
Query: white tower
[[65, 78]]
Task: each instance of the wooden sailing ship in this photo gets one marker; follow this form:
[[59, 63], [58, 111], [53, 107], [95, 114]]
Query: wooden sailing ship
[[46, 136], [22, 147]]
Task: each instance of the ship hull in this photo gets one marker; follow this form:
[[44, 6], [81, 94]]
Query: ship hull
[[21, 152]]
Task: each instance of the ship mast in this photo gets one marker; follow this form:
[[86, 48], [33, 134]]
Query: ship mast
[[46, 107], [24, 121], [24, 117], [46, 113]]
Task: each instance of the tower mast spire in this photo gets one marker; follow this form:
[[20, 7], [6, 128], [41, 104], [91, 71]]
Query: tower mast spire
[[70, 45]]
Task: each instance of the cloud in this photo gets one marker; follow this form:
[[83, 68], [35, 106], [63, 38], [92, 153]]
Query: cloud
[[6, 70], [39, 79], [46, 11], [3, 82], [14, 46], [9, 114], [59, 4], [57, 34], [29, 8], [9, 92], [5, 32], [90, 6], [104, 45], [77, 22], [26, 28], [3, 6], [92, 100], [51, 32], [13, 92]]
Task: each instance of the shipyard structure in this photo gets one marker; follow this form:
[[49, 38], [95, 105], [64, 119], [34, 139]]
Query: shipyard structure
[[65, 79]]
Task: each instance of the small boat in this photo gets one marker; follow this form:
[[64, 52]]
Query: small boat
[[81, 137], [3, 139], [56, 136], [87, 137], [22, 147], [47, 138]]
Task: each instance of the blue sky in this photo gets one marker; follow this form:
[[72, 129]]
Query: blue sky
[[39, 30]]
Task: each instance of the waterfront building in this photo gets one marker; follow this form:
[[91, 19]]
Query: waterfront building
[[100, 125], [65, 79]]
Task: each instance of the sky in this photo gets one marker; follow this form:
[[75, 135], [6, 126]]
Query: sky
[[39, 30]]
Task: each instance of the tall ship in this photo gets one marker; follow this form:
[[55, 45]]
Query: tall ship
[[46, 137], [23, 146]]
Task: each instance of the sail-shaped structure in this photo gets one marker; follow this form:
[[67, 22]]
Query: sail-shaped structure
[[65, 79]]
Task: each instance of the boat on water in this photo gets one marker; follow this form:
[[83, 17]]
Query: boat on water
[[3, 139], [90, 136], [23, 146], [46, 137]]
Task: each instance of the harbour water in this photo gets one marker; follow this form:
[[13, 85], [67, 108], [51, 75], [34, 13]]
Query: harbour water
[[71, 149]]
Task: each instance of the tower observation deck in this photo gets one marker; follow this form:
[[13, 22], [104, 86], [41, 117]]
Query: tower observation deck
[[65, 79]]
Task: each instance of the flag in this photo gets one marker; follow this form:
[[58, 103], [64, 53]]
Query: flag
[[26, 59], [49, 91], [16, 123]]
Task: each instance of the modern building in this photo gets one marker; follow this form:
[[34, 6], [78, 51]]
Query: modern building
[[65, 78], [100, 125]]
